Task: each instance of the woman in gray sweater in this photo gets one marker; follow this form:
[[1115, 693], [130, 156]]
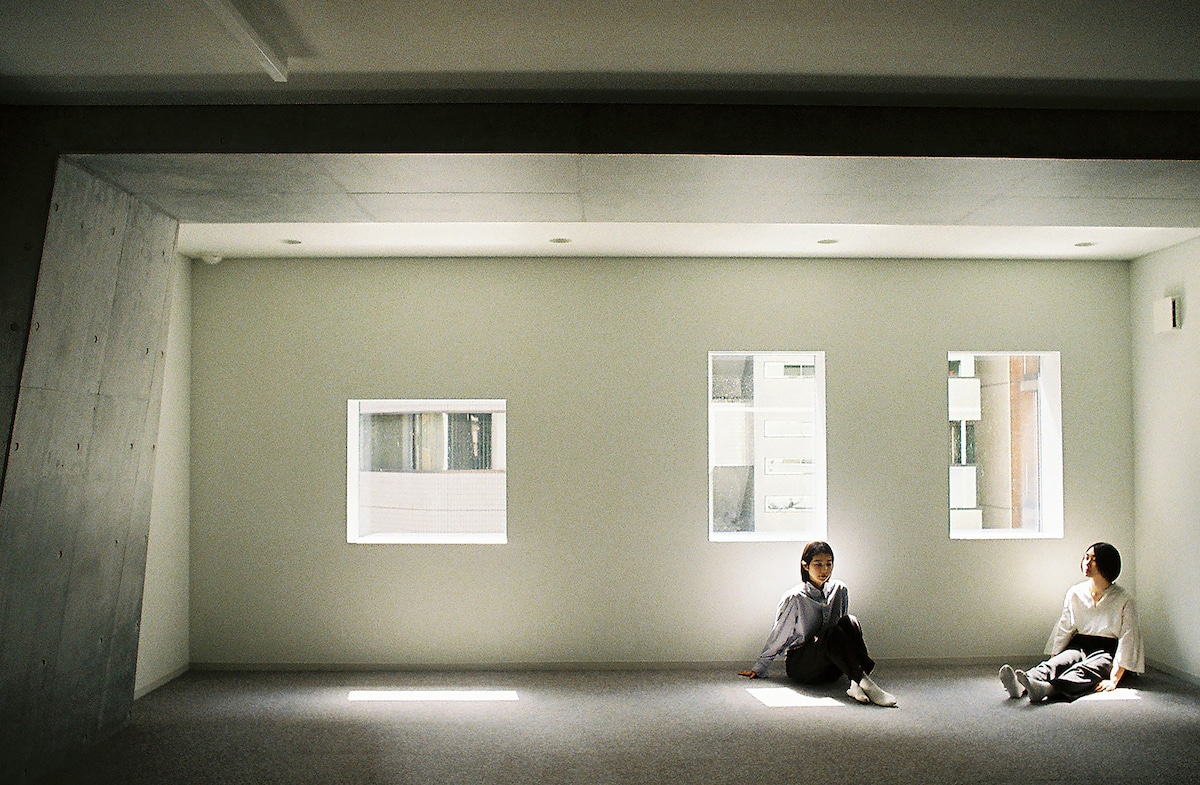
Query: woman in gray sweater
[[820, 639]]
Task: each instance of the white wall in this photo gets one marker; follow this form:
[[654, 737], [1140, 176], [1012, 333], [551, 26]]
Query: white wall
[[163, 636], [1167, 379], [603, 364]]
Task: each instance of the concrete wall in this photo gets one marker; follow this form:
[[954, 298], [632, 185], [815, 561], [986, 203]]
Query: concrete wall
[[1167, 486], [603, 365], [75, 508]]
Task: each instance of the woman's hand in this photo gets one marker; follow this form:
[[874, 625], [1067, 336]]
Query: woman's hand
[[749, 674], [1111, 682]]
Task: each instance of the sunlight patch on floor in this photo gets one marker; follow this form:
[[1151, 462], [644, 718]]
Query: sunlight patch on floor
[[1119, 694], [432, 695], [776, 697]]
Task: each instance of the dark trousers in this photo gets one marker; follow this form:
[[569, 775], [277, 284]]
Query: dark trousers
[[836, 650], [1077, 669]]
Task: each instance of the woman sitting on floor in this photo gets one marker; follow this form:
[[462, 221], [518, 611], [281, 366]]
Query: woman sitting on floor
[[821, 639], [1096, 640]]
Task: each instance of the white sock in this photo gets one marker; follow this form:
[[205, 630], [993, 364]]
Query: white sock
[[875, 693], [1008, 677], [1039, 690], [857, 693]]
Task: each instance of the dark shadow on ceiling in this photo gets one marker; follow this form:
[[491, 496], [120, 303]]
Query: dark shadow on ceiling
[[254, 87]]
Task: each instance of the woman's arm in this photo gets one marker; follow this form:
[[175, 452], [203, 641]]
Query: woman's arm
[[841, 604], [1112, 681], [1061, 635], [1130, 654], [782, 634]]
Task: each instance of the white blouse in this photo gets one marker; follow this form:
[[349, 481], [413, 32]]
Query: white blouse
[[1114, 616]]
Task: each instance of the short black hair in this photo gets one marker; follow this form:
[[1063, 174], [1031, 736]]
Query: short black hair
[[1108, 560], [812, 551]]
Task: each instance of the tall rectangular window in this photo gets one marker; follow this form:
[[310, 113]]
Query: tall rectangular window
[[766, 446], [426, 471], [1006, 460]]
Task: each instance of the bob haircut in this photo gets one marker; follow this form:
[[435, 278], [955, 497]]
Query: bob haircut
[[812, 551], [1108, 560]]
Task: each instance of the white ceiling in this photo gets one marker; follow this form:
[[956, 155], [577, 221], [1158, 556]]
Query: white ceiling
[[322, 205], [219, 241]]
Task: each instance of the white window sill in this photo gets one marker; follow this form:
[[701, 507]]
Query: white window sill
[[385, 538]]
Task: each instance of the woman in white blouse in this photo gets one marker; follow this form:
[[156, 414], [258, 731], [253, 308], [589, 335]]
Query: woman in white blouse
[[821, 640], [1096, 641]]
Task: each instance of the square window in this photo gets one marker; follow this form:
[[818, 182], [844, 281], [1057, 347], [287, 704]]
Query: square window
[[426, 471], [1006, 460], [766, 446]]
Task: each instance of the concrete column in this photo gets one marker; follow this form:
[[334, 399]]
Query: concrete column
[[75, 510]]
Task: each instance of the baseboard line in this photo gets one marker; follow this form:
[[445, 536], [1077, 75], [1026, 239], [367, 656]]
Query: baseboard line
[[1178, 673], [146, 689], [533, 667], [733, 665], [484, 667]]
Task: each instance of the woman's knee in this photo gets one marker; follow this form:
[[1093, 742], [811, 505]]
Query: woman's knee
[[848, 624]]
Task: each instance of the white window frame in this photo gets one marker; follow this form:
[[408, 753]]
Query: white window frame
[[433, 492], [780, 440]]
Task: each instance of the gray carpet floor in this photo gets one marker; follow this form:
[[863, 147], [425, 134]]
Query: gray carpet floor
[[955, 724]]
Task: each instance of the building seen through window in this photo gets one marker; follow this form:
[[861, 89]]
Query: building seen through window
[[766, 426], [430, 471], [1005, 445]]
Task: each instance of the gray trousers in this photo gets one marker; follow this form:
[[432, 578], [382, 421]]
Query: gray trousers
[[1074, 672]]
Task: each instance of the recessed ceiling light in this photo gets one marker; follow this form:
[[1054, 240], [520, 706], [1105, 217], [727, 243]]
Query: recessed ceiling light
[[1086, 244], [826, 241], [288, 241], [560, 240]]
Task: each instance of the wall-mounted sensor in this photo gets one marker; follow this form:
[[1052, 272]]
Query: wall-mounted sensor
[[1166, 315]]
